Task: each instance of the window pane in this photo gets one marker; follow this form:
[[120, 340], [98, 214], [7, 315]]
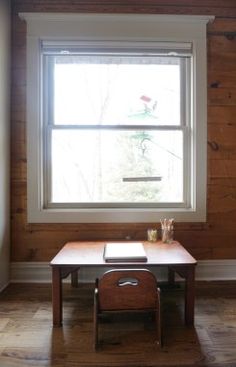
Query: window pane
[[117, 91], [117, 166]]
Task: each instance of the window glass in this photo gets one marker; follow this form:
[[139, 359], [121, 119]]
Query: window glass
[[115, 90], [119, 166]]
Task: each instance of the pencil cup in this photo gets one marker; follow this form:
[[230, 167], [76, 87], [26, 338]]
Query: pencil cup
[[167, 230], [167, 235], [152, 235]]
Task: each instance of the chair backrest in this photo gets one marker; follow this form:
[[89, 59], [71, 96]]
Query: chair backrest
[[127, 289]]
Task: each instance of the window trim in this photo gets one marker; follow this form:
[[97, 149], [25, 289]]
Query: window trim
[[122, 27]]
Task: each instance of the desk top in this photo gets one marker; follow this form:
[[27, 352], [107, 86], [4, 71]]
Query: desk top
[[86, 253]]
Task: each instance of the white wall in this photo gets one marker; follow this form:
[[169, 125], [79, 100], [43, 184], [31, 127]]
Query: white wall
[[4, 141]]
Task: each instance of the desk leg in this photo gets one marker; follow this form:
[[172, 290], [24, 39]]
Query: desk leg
[[56, 296], [171, 277], [74, 279], [189, 295]]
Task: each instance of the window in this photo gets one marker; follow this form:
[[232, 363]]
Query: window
[[116, 127], [116, 121]]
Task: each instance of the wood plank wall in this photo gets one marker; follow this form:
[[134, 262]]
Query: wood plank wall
[[215, 239]]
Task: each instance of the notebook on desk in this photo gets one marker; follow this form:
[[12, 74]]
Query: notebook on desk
[[124, 251]]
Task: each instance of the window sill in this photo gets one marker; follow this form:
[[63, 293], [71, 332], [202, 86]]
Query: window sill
[[114, 215]]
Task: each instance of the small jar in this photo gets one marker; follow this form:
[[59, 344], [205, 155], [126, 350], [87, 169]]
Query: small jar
[[152, 235]]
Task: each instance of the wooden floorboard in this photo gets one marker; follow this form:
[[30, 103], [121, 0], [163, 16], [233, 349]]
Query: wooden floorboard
[[27, 337]]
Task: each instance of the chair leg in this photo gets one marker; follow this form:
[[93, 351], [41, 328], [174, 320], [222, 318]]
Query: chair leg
[[158, 320], [95, 321], [158, 324]]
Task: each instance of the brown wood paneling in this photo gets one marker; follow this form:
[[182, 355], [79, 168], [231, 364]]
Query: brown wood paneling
[[219, 7], [221, 115], [221, 141], [221, 79], [222, 96], [222, 168], [214, 239], [221, 25]]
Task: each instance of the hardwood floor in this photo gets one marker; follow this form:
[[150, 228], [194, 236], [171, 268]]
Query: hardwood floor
[[27, 337]]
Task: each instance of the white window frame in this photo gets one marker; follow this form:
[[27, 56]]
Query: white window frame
[[117, 28], [50, 49]]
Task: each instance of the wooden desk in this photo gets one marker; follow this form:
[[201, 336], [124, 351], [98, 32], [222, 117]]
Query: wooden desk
[[76, 254]]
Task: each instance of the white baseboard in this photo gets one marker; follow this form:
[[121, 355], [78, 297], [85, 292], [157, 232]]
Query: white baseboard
[[40, 272]]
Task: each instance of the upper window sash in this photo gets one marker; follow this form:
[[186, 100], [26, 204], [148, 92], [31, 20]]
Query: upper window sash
[[49, 64]]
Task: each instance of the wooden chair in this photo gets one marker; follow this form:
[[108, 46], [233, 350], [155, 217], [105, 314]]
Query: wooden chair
[[127, 290]]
